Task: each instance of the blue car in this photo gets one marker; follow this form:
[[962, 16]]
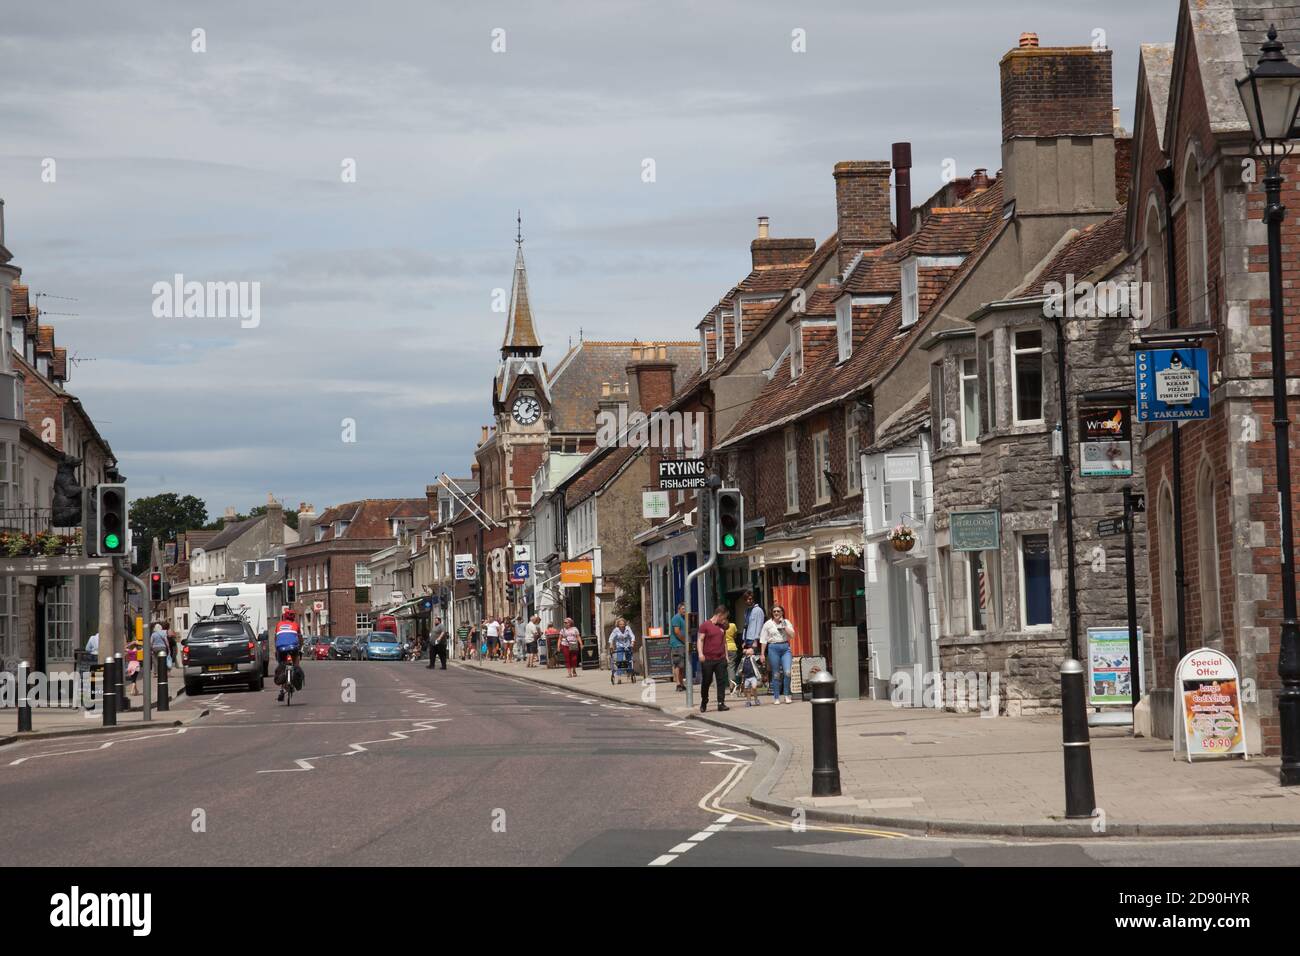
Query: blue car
[[383, 646]]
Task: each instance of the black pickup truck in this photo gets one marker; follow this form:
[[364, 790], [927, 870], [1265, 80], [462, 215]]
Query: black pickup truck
[[221, 650]]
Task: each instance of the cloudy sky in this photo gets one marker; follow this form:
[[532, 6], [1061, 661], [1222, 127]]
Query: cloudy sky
[[376, 295]]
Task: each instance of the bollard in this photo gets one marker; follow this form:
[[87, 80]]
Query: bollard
[[1080, 801], [24, 702], [164, 693], [108, 692], [826, 751], [119, 683]]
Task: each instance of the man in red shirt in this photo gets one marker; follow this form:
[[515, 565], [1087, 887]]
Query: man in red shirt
[[711, 644]]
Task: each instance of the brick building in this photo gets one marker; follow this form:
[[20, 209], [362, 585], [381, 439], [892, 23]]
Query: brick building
[[1196, 232]]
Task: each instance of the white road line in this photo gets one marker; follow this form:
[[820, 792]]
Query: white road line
[[104, 746], [701, 836], [681, 848]]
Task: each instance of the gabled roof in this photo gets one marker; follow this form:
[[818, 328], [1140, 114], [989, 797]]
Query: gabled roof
[[903, 425], [368, 519], [575, 384], [231, 532], [1091, 248]]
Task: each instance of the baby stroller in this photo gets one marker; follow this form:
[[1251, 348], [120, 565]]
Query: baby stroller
[[620, 662]]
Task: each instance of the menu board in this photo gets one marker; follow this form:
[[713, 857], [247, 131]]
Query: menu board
[[804, 668], [658, 662], [1210, 704]]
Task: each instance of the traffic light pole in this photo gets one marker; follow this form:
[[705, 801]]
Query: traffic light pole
[[146, 665], [701, 598]]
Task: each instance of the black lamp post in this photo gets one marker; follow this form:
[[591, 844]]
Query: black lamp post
[[1271, 94]]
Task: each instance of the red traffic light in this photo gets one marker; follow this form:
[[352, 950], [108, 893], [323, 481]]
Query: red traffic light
[[155, 586]]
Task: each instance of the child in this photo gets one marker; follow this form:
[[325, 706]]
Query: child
[[749, 677]]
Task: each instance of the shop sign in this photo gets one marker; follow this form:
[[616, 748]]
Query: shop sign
[[466, 570], [676, 473], [1172, 384], [1105, 442], [1210, 701], [903, 467], [574, 573], [974, 530], [654, 504]]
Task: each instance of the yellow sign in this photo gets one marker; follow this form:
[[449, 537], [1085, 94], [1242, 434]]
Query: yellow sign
[[573, 573]]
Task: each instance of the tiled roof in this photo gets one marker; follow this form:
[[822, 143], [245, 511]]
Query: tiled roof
[[877, 338], [61, 363], [231, 532], [597, 476], [773, 278], [1092, 247], [45, 340], [575, 383], [904, 425], [368, 518]]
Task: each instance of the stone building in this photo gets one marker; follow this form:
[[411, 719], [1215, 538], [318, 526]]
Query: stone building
[[224, 555]]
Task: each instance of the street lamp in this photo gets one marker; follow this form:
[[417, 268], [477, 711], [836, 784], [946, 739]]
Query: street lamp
[[1271, 95]]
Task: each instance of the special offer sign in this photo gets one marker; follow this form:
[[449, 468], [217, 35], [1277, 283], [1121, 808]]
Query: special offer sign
[[1211, 705]]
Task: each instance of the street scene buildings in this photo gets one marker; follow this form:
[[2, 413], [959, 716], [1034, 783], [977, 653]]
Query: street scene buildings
[[1011, 452]]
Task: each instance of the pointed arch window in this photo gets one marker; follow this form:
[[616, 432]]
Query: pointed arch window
[[1168, 596], [1207, 553], [1194, 226]]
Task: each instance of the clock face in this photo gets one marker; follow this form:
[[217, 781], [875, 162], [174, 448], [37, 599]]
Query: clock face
[[526, 410]]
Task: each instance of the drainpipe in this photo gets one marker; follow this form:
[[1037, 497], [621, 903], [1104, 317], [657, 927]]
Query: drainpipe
[[1166, 176]]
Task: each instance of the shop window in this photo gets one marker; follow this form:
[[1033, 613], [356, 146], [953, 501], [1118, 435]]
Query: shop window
[[1035, 581], [983, 593]]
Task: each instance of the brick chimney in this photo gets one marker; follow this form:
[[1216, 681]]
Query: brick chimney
[[431, 500], [306, 522], [274, 521], [652, 374], [1058, 138], [766, 252], [862, 207]]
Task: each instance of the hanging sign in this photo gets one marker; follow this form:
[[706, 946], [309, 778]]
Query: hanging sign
[[1172, 384], [654, 504], [1105, 442], [1210, 701], [974, 530]]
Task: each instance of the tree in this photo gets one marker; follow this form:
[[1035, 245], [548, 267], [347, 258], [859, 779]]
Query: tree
[[163, 517]]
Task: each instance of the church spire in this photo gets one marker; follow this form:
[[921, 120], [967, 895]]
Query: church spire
[[521, 330]]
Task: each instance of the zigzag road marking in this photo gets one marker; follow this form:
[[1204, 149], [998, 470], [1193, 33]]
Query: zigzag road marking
[[104, 746], [305, 763]]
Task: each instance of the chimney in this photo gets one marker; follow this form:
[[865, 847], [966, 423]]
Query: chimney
[[862, 207], [228, 518], [902, 163], [483, 435], [612, 396], [766, 252], [274, 521], [980, 179], [473, 471], [306, 522], [1058, 129], [653, 374], [431, 500]]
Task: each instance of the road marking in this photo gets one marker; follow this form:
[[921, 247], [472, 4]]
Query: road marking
[[104, 746], [681, 848], [418, 726], [701, 836], [663, 860]]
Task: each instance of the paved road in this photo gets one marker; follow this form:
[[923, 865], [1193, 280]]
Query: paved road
[[394, 764]]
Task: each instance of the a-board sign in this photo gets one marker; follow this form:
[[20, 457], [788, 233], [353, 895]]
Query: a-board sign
[[681, 473], [658, 662], [1209, 701], [1110, 668], [804, 669]]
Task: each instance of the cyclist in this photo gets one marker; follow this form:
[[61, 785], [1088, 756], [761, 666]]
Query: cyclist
[[288, 641]]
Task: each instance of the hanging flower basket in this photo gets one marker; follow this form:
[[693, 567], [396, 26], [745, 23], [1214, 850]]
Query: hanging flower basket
[[846, 555], [902, 538]]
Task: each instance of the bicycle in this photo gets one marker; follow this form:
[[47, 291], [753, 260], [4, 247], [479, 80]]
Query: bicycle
[[290, 662]]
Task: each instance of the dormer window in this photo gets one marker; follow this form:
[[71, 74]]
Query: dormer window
[[911, 299], [320, 533], [340, 528], [720, 333], [704, 351], [796, 351], [844, 327]]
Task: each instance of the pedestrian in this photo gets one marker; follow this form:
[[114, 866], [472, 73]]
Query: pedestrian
[[571, 646], [508, 641], [92, 648], [711, 644], [438, 644], [158, 642], [471, 643], [749, 676], [493, 631], [133, 665], [551, 640], [171, 647], [677, 645], [733, 653], [621, 644], [532, 634], [777, 634], [753, 624]]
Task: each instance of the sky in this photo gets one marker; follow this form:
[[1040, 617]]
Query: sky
[[128, 157]]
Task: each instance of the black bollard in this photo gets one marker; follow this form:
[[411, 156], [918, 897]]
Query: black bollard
[[119, 683], [826, 751], [1080, 801], [164, 692], [24, 702], [108, 692]]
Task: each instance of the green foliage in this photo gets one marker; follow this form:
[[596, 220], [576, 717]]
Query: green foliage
[[163, 517]]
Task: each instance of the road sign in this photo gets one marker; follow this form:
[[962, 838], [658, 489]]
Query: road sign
[[1172, 384], [520, 572], [1109, 526], [677, 473], [318, 605]]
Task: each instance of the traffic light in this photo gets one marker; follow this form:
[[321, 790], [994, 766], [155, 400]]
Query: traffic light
[[730, 514], [110, 521], [290, 590], [155, 586]]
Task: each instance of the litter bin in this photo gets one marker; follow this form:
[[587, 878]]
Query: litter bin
[[590, 653]]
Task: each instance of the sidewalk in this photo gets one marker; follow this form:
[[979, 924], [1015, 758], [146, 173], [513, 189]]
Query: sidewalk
[[940, 772], [51, 722]]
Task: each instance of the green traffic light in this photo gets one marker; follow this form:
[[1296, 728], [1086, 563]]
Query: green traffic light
[[729, 540], [111, 541]]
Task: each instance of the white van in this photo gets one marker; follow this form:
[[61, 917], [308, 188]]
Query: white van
[[205, 598]]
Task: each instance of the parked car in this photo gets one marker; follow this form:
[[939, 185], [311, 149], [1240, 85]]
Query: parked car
[[265, 643], [359, 648], [341, 647], [320, 649], [221, 649], [383, 646]]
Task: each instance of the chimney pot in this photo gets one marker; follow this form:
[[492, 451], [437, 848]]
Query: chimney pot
[[762, 227], [1028, 40]]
